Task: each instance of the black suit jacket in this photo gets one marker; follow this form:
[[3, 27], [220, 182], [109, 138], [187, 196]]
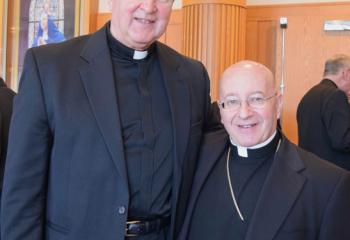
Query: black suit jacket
[[66, 175], [303, 197], [6, 97], [323, 116]]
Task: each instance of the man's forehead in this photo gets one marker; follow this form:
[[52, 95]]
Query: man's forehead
[[244, 79], [247, 74], [247, 84]]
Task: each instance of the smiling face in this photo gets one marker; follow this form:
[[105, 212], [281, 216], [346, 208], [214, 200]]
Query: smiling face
[[138, 23], [249, 126]]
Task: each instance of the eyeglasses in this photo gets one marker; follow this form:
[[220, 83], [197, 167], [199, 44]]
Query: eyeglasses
[[232, 103]]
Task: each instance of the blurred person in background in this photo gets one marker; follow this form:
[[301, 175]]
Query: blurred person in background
[[323, 114]]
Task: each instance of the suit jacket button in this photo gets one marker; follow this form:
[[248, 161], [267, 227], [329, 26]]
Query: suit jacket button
[[121, 210]]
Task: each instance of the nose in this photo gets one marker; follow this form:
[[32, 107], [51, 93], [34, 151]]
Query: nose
[[244, 110], [149, 5]]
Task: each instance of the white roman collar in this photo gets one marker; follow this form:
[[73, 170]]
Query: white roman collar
[[138, 55], [243, 151]]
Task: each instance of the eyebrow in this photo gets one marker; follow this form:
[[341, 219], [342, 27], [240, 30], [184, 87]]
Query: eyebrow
[[235, 95]]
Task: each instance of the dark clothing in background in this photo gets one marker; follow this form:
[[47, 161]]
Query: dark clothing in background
[[301, 198], [323, 117], [69, 154], [6, 98]]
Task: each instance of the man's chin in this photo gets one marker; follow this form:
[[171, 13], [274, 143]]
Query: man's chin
[[245, 142]]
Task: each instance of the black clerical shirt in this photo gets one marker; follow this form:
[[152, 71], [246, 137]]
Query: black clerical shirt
[[146, 129], [215, 209]]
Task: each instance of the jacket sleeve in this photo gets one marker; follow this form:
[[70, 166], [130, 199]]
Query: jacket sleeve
[[6, 99], [213, 119], [336, 219], [336, 118], [24, 191]]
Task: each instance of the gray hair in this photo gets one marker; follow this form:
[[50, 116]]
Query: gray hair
[[335, 64]]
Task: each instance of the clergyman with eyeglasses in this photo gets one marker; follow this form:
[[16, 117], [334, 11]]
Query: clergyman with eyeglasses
[[252, 183], [105, 133]]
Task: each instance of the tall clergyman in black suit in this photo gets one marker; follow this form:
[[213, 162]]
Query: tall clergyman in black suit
[[252, 183], [324, 114], [105, 133], [6, 97]]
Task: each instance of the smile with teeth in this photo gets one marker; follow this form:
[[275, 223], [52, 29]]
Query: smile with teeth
[[246, 125], [144, 21]]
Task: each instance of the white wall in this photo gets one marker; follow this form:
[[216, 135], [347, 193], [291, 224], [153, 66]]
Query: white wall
[[103, 4]]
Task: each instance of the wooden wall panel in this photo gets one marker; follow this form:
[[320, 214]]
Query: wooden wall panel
[[90, 13], [267, 35], [173, 35], [307, 47], [102, 18], [12, 40], [252, 43], [261, 42], [214, 33]]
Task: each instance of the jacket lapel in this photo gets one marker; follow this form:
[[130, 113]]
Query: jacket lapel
[[179, 102], [179, 99], [210, 154], [97, 75], [281, 189]]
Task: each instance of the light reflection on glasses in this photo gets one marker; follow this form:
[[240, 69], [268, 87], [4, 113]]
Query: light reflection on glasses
[[233, 103]]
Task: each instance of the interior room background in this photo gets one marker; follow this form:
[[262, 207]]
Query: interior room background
[[219, 33]]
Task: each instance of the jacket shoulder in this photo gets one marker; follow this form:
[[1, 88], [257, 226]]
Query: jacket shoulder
[[5, 92], [212, 145], [216, 137], [64, 49]]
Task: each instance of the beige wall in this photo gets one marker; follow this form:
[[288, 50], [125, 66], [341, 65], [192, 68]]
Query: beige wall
[[307, 47]]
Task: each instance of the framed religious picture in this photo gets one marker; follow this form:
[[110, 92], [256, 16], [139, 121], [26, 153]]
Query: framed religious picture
[[33, 23]]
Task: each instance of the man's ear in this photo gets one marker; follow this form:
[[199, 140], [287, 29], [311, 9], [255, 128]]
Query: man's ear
[[279, 104]]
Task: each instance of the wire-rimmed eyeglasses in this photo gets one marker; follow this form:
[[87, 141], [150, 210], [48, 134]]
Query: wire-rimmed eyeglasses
[[233, 103]]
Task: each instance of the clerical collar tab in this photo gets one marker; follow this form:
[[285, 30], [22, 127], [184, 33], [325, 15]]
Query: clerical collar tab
[[138, 55], [243, 151]]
